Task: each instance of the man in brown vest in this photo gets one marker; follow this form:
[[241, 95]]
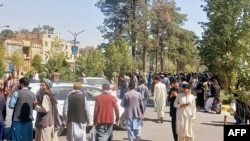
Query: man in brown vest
[[76, 113]]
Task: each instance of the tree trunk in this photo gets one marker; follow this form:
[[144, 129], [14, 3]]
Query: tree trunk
[[180, 66], [161, 53], [133, 36], [228, 83], [156, 58], [144, 57]]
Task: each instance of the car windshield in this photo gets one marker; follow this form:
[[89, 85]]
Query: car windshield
[[97, 81], [62, 92]]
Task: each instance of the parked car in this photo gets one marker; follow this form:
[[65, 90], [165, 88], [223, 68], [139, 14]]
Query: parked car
[[97, 82], [61, 91]]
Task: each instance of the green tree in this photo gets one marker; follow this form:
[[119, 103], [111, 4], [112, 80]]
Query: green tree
[[17, 59], [80, 65], [7, 33], [37, 30], [118, 58], [143, 33], [37, 63], [228, 23], [2, 60], [57, 60], [94, 63], [120, 21], [170, 39], [148, 27], [48, 29]]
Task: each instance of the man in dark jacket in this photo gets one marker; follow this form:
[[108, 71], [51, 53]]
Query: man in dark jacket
[[172, 96]]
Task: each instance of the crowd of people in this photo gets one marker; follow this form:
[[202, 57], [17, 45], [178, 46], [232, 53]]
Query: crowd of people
[[184, 92], [23, 102]]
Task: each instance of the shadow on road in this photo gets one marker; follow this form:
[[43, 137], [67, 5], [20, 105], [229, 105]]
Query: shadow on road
[[230, 123], [203, 111], [213, 124], [218, 123], [127, 139], [155, 120]]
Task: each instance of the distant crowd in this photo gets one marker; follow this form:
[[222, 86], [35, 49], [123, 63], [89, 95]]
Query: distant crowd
[[184, 91]]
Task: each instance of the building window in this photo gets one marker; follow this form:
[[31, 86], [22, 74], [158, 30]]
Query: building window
[[66, 47], [46, 44], [49, 36]]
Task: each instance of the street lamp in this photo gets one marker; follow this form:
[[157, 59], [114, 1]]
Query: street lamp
[[75, 48]]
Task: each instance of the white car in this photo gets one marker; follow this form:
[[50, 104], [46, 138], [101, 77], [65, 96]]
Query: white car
[[97, 82], [61, 90]]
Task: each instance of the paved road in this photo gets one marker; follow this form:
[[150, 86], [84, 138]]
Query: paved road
[[208, 126]]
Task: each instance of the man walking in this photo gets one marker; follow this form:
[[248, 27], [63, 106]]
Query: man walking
[[132, 102], [172, 96], [143, 89], [22, 103], [105, 104], [76, 114], [160, 97]]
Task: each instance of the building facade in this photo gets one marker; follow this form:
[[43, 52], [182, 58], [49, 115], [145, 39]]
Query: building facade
[[31, 44]]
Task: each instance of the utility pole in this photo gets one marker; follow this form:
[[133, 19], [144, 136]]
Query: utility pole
[[74, 48]]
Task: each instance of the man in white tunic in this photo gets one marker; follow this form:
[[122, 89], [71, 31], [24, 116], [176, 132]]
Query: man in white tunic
[[186, 113], [160, 96]]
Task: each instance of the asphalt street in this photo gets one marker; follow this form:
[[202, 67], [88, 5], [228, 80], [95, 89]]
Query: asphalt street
[[207, 127]]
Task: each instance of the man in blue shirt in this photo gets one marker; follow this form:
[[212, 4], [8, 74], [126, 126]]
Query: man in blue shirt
[[22, 103]]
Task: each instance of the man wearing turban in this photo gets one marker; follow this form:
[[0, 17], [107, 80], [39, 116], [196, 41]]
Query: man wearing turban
[[46, 107]]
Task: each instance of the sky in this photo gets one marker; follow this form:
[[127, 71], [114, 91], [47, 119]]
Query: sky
[[75, 16]]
